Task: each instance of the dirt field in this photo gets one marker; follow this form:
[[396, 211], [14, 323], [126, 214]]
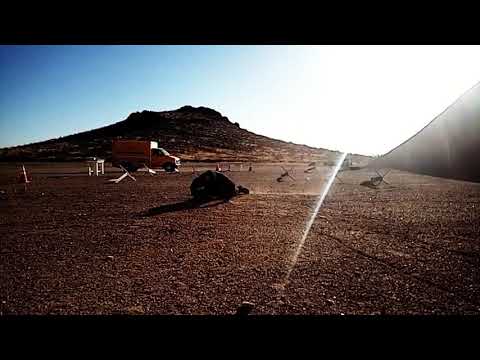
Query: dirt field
[[73, 244]]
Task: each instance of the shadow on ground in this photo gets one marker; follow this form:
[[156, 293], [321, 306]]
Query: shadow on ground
[[180, 206]]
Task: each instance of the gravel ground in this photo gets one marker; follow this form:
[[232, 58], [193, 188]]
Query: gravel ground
[[73, 244]]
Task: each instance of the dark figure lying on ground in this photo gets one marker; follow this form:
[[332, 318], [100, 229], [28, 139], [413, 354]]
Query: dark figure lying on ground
[[214, 185]]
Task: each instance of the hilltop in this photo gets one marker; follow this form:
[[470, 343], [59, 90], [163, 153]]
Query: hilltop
[[192, 133]]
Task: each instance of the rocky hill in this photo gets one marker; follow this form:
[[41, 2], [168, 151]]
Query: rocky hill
[[193, 134]]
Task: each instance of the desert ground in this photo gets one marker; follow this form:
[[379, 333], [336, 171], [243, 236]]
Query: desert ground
[[74, 244]]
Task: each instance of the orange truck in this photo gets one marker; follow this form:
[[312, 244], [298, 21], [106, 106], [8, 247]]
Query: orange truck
[[135, 154]]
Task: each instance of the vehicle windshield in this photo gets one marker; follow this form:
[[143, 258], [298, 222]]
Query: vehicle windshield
[[161, 151]]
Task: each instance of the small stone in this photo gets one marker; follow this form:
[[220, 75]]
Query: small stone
[[136, 309], [245, 308], [279, 287], [110, 257]]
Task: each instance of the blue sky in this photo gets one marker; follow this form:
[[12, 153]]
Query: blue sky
[[361, 99], [50, 91]]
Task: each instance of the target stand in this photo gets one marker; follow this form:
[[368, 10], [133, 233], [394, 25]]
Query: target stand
[[98, 165], [125, 174]]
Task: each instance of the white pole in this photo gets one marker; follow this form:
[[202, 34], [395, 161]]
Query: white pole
[[25, 174]]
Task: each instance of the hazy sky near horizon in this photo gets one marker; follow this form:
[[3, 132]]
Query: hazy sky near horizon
[[362, 99]]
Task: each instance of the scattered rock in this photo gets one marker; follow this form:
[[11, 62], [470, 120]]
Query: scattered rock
[[136, 309], [245, 308], [279, 287]]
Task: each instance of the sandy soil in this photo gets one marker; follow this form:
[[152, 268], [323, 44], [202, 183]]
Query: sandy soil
[[73, 244]]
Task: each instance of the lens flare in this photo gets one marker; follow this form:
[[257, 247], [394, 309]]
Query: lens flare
[[309, 224]]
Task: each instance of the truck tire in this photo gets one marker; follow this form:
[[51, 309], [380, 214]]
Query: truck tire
[[169, 167]]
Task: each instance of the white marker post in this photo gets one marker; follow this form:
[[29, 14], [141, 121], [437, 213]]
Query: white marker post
[[25, 175]]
